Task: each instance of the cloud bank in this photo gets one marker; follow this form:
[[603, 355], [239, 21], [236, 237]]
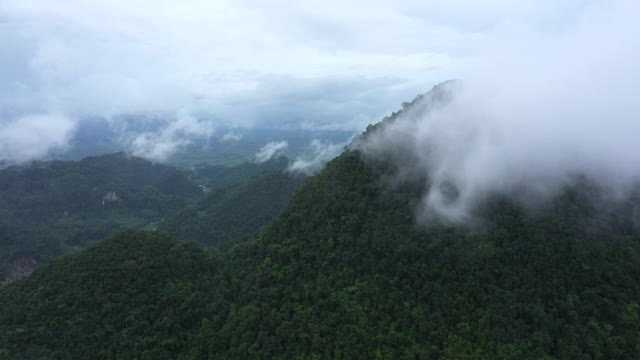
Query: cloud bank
[[245, 62], [527, 118]]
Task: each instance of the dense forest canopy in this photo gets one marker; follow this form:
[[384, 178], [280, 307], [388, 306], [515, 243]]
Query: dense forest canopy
[[234, 211]]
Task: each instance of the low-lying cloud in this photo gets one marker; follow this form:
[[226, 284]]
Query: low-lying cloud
[[161, 144], [269, 151], [528, 118], [318, 154], [34, 136], [231, 136]]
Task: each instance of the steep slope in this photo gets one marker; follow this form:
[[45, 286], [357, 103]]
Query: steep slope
[[48, 207], [345, 273], [235, 211]]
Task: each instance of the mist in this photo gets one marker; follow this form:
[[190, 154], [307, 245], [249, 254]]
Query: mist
[[166, 141], [34, 136], [231, 136], [527, 118], [317, 155], [269, 151]]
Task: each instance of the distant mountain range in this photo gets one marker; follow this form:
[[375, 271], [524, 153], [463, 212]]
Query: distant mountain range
[[227, 146]]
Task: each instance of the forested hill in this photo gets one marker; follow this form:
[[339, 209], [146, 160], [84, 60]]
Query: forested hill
[[345, 273], [235, 211], [47, 208]]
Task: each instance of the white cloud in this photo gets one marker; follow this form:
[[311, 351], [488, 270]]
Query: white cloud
[[530, 116], [315, 64], [317, 155], [161, 144], [269, 151], [231, 136], [34, 136]]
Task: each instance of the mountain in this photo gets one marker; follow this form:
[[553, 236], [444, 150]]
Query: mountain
[[344, 272], [47, 208], [235, 211]]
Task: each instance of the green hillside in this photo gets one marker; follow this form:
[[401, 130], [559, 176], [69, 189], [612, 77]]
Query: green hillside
[[50, 208], [345, 273], [47, 208], [233, 212]]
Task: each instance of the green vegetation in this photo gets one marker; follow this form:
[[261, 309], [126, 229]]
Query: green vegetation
[[235, 211], [47, 208], [345, 273], [135, 295]]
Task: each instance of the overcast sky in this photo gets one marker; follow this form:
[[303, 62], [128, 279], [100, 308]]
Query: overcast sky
[[335, 63], [310, 64]]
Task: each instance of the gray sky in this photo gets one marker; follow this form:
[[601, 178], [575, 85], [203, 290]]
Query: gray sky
[[311, 64]]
